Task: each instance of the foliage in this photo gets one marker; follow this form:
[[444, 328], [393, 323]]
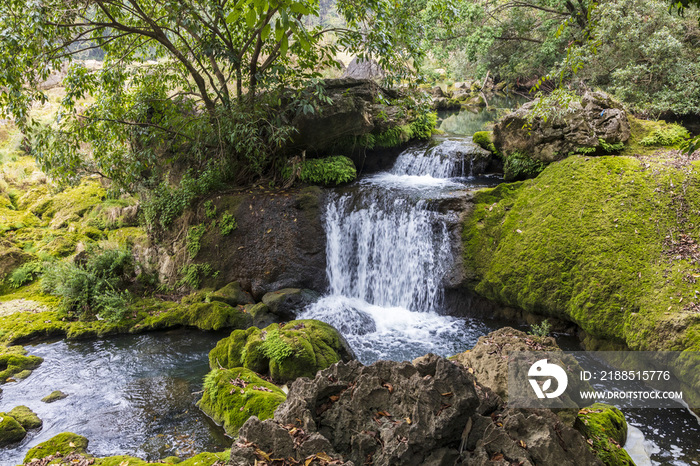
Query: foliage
[[275, 348], [191, 275], [227, 224], [542, 329], [26, 273], [669, 135], [189, 93], [210, 209], [89, 286], [519, 166], [194, 239], [329, 171], [609, 148]]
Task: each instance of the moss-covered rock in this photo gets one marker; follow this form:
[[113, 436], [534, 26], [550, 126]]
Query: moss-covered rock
[[26, 417], [14, 360], [54, 396], [202, 459], [284, 352], [64, 444], [604, 242], [11, 431], [262, 314], [485, 140], [205, 316], [606, 428], [231, 396], [232, 294]]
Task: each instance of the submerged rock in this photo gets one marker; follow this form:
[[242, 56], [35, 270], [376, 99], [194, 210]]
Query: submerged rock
[[26, 417], [284, 352], [14, 360], [231, 396], [429, 412], [54, 396]]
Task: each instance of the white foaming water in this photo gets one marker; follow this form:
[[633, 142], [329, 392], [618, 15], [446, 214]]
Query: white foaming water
[[450, 159], [387, 252]]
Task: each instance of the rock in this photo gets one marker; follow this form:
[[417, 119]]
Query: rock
[[26, 417], [596, 118], [62, 444], [14, 360], [288, 302], [430, 412], [11, 431], [232, 294], [54, 396], [284, 352], [11, 257], [363, 69], [437, 92], [606, 428], [232, 396], [204, 316], [489, 362], [262, 315]]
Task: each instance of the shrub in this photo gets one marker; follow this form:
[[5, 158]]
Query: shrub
[[191, 274], [542, 329], [26, 273], [518, 166], [329, 171], [89, 287], [668, 135], [210, 210]]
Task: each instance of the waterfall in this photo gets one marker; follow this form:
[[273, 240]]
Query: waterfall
[[388, 249], [451, 158]]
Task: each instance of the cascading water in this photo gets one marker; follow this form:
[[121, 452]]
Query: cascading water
[[388, 249]]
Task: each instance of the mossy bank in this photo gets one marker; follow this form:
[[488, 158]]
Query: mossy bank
[[608, 243]]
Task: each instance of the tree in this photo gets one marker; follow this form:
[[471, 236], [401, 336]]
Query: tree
[[186, 86]]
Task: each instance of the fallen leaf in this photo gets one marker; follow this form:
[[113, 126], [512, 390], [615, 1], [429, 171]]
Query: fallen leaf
[[522, 444]]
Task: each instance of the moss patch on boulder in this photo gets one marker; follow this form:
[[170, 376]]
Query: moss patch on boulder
[[64, 444], [26, 417], [231, 396], [284, 352], [232, 294], [606, 429], [14, 360], [11, 431]]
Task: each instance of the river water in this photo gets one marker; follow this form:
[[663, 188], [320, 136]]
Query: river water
[[388, 250]]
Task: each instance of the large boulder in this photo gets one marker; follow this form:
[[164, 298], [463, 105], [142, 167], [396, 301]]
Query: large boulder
[[594, 125], [363, 69], [288, 302], [299, 348], [430, 412], [606, 429]]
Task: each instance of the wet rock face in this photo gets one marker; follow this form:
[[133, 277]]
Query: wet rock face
[[431, 411], [597, 118]]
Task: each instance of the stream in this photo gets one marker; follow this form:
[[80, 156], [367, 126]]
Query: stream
[[389, 239]]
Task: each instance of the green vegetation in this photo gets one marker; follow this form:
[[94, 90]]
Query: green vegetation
[[606, 429], [671, 135], [285, 352], [542, 329], [10, 430], [55, 395], [26, 417], [329, 171], [191, 275], [14, 360], [64, 444], [518, 166], [231, 396], [194, 238], [227, 224]]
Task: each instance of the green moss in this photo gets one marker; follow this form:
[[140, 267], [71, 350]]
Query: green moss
[[231, 294], [202, 459], [485, 140], [591, 241], [10, 430], [329, 171], [606, 428], [14, 360], [518, 166], [64, 444], [55, 395], [285, 352], [231, 405], [26, 417], [206, 316], [648, 136], [670, 135]]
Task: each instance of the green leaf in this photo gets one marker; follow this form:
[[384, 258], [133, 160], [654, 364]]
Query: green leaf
[[250, 18]]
